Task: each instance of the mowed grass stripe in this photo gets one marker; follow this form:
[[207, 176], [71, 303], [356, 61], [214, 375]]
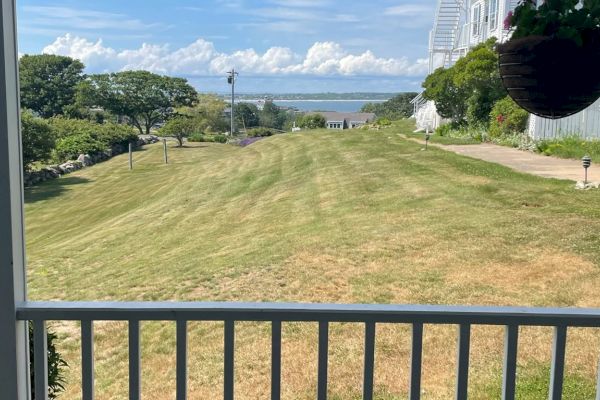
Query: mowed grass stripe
[[348, 217]]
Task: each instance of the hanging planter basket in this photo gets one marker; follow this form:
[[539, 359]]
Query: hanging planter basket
[[551, 77]]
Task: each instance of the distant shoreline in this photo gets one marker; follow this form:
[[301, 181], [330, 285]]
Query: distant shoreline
[[314, 100]]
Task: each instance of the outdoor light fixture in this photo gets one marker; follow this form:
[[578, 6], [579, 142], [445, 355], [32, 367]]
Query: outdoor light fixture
[[587, 163]]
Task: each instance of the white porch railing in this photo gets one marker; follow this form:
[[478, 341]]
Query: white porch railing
[[324, 314]]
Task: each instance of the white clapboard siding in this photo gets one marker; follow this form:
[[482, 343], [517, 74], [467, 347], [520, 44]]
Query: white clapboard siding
[[585, 124]]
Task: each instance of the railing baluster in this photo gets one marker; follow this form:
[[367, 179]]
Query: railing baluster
[[323, 355], [182, 339], [40, 359], [276, 360], [369, 370], [134, 360], [416, 360], [598, 383], [558, 363], [87, 360], [462, 374], [229, 355], [511, 338]]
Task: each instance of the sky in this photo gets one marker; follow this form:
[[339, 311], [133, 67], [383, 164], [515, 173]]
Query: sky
[[278, 46]]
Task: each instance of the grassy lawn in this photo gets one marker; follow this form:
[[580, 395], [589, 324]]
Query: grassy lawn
[[352, 217], [444, 139], [571, 147]]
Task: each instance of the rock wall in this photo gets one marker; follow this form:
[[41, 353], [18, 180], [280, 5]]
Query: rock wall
[[84, 160]]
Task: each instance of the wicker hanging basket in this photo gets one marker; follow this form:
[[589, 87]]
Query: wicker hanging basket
[[551, 77]]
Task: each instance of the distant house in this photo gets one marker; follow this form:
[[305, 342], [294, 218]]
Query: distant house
[[337, 120]]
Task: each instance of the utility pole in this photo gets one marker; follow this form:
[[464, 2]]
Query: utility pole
[[231, 80]]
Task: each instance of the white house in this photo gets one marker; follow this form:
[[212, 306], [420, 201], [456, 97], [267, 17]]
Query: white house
[[338, 120], [462, 24]]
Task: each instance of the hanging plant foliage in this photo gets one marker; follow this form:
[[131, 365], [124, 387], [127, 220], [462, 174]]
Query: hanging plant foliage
[[551, 64]]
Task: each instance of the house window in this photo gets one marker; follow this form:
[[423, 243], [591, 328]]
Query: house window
[[493, 12], [476, 17]]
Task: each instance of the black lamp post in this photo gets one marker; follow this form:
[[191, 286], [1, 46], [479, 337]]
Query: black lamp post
[[587, 163]]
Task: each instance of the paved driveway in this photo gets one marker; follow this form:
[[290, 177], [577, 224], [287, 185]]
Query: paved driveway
[[524, 161]]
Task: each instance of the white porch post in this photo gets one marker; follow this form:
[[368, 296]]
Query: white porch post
[[14, 352]]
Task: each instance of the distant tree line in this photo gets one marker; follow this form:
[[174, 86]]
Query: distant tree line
[[396, 108]]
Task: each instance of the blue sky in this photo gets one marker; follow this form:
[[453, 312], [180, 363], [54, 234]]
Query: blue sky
[[277, 45]]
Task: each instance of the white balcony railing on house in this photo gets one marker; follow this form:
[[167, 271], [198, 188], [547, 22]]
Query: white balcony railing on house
[[277, 313]]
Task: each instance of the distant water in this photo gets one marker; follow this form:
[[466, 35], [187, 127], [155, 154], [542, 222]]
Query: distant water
[[326, 105]]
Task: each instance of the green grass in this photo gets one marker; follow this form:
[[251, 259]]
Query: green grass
[[348, 217], [444, 139], [571, 147]]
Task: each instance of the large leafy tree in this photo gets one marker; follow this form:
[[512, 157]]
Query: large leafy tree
[[477, 74], [247, 115], [272, 116], [449, 98], [48, 83], [468, 90], [209, 111], [145, 98]]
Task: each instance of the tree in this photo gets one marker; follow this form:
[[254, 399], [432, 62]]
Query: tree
[[180, 127], [312, 121], [468, 90], [144, 97], [37, 139], [450, 100], [396, 108], [478, 76], [210, 110], [272, 116], [48, 83], [247, 115]]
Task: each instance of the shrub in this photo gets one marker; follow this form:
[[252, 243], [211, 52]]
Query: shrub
[[197, 137], [384, 122], [312, 121], [85, 137], [220, 139], [507, 119], [70, 147], [56, 366], [570, 147], [260, 132], [37, 138], [444, 130]]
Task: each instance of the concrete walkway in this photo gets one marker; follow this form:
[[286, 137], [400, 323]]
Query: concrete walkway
[[523, 161]]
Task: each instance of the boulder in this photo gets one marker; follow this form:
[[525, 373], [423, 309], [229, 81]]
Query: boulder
[[587, 186], [85, 159]]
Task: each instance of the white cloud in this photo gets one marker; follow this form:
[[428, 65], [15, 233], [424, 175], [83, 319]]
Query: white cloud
[[202, 58]]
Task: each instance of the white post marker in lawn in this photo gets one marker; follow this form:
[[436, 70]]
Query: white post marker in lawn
[[165, 151], [130, 156], [14, 347]]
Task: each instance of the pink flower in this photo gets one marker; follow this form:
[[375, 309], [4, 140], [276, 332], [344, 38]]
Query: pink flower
[[508, 21]]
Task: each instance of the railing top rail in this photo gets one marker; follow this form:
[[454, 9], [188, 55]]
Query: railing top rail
[[211, 311]]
